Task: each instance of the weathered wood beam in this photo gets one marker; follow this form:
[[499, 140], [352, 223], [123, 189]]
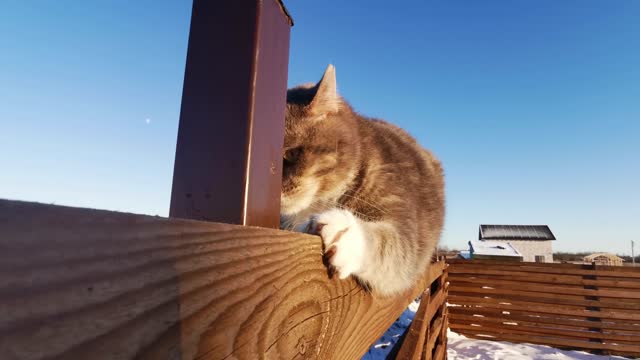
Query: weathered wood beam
[[228, 163], [89, 284]]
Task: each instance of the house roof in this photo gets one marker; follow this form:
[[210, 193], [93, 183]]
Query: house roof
[[591, 257], [515, 232], [493, 248]]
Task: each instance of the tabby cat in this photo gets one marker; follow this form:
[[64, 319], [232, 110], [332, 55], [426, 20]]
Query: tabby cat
[[365, 186]]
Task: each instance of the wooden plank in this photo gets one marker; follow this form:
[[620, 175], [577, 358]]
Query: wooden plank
[[89, 284], [490, 263], [554, 319], [415, 338], [461, 317], [544, 322], [436, 271], [434, 334], [414, 341], [625, 296], [540, 308], [593, 308], [517, 336], [462, 268], [436, 302], [536, 328], [228, 161], [552, 279], [445, 329], [546, 277], [441, 352], [523, 283], [619, 315], [467, 289]]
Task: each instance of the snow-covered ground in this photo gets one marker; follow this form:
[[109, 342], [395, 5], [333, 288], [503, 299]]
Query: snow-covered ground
[[462, 348]]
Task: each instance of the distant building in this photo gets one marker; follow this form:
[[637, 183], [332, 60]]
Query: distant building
[[491, 250], [532, 242], [603, 259]]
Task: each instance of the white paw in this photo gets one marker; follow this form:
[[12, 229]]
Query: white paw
[[343, 238]]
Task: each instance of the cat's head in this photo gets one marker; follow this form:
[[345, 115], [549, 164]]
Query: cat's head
[[321, 148]]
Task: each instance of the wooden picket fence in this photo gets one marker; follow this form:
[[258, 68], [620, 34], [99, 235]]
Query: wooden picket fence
[[586, 307], [426, 339]]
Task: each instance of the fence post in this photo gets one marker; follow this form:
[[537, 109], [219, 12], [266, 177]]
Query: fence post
[[593, 267], [229, 148], [418, 332], [445, 308]]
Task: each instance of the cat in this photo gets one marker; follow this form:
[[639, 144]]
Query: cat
[[365, 186]]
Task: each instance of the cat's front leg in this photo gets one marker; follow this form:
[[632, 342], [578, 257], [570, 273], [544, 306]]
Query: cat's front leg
[[345, 246]]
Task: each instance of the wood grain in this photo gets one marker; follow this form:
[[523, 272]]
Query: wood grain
[[549, 287], [543, 319], [471, 289], [554, 268], [512, 304], [549, 277], [89, 284], [534, 327]]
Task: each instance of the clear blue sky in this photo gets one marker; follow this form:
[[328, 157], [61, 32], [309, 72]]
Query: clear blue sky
[[533, 106]]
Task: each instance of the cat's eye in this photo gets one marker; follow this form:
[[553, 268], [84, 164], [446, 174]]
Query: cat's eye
[[291, 156]]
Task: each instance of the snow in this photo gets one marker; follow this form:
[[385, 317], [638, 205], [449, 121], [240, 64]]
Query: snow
[[496, 248], [382, 348], [413, 307], [462, 348]]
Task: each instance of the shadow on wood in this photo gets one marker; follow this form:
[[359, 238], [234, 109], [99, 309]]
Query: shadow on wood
[[90, 284]]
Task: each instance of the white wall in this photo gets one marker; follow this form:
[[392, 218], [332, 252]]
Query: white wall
[[530, 248]]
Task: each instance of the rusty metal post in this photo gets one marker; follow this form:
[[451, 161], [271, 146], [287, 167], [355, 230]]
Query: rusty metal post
[[229, 149]]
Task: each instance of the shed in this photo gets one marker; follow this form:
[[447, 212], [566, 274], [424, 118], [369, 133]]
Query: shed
[[603, 259], [533, 242]]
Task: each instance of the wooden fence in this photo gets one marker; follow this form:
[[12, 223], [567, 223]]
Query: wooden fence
[[91, 284], [426, 339], [587, 307]]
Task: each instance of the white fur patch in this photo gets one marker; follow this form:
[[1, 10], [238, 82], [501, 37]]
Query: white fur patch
[[342, 230]]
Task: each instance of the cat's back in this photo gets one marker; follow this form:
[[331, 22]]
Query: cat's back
[[410, 180], [396, 146]]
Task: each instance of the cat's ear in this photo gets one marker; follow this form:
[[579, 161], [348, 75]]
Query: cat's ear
[[326, 99]]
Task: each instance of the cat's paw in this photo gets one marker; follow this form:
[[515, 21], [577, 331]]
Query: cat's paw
[[343, 239]]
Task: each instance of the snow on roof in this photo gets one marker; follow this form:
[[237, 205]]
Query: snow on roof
[[494, 248]]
